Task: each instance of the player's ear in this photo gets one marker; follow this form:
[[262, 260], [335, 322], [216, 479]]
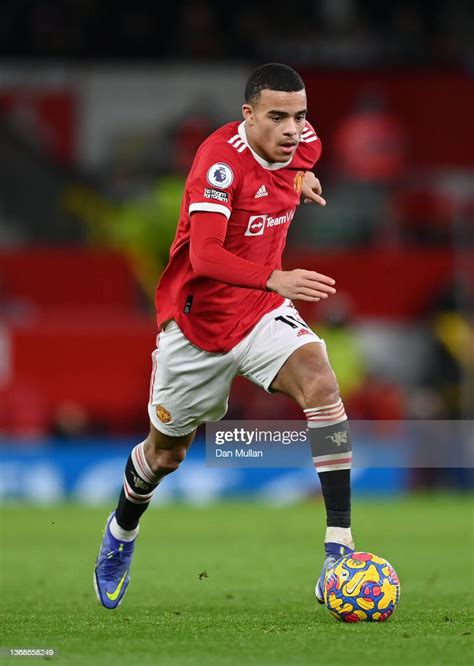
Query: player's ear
[[247, 113]]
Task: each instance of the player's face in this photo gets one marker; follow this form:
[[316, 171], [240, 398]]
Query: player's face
[[275, 122]]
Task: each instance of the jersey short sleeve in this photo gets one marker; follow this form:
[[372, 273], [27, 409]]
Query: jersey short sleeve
[[214, 178]]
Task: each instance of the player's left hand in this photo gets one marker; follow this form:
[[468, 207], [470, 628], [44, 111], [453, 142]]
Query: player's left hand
[[311, 190]]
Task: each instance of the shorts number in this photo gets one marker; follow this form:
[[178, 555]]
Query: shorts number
[[296, 323]]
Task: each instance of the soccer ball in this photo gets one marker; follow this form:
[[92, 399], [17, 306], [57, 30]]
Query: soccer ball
[[361, 586]]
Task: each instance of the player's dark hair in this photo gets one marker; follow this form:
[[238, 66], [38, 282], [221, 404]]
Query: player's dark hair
[[272, 76]]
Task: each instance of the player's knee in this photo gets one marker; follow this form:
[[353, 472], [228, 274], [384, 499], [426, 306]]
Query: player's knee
[[320, 388]]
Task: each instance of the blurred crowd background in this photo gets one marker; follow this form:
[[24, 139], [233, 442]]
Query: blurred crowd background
[[102, 108], [347, 33]]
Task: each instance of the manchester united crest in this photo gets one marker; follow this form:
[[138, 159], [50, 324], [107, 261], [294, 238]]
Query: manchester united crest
[[163, 414], [299, 178]]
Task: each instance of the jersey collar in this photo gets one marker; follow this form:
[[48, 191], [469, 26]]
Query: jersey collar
[[272, 166]]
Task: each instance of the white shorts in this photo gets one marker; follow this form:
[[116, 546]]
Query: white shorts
[[190, 386]]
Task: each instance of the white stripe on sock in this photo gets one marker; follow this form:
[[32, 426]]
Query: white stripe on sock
[[320, 417], [141, 465]]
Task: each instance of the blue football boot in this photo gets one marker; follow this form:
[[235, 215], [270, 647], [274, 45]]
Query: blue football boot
[[112, 568], [334, 552]]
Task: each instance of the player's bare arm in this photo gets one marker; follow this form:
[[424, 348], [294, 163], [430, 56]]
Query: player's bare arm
[[311, 190], [300, 284]]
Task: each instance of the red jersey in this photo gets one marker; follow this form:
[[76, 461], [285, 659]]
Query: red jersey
[[259, 200]]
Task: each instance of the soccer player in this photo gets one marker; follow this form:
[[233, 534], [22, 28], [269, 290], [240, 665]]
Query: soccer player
[[224, 308]]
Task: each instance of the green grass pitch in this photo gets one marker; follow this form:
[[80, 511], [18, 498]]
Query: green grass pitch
[[256, 605]]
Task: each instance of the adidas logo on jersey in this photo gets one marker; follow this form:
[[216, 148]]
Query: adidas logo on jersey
[[261, 192]]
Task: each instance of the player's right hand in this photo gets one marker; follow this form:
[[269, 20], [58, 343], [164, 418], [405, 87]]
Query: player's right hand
[[300, 284]]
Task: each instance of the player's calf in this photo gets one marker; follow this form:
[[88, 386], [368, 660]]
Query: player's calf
[[164, 461], [149, 462], [319, 389]]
